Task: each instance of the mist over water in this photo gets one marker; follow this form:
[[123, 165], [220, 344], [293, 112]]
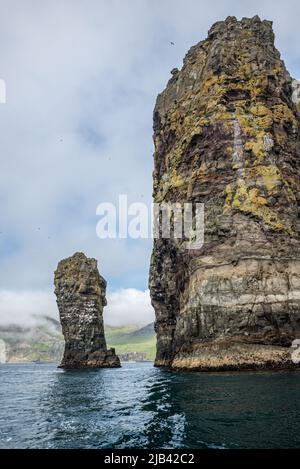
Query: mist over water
[[139, 406]]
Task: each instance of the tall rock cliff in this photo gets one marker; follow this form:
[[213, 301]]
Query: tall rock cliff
[[80, 292], [226, 133]]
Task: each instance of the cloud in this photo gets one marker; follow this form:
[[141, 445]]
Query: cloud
[[76, 131], [23, 308], [129, 306], [125, 306]]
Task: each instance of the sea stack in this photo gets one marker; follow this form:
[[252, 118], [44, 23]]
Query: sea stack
[[226, 134], [80, 292]]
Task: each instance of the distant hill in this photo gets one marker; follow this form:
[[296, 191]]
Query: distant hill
[[128, 339], [145, 331], [44, 342]]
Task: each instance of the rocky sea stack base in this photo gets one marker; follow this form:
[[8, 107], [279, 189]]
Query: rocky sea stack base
[[226, 134], [80, 292]]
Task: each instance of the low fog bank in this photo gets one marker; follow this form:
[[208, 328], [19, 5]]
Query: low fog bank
[[28, 308]]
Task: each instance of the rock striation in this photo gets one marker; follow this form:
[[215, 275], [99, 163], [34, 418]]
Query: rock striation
[[227, 134], [80, 292]]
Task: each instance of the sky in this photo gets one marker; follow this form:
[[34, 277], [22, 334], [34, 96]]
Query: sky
[[76, 130]]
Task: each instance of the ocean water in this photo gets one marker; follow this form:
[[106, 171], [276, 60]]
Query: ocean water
[[138, 406]]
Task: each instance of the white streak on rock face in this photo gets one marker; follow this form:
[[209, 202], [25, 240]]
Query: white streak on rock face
[[2, 351], [296, 356], [296, 351], [296, 91], [296, 343], [268, 142], [194, 75], [238, 151]]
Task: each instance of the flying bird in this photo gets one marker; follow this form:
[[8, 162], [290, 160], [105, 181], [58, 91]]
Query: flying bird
[[172, 43]]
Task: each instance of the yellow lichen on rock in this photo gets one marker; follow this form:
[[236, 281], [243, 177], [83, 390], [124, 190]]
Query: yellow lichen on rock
[[270, 176], [228, 201], [260, 110], [246, 199], [176, 180], [249, 200], [283, 115], [257, 146]]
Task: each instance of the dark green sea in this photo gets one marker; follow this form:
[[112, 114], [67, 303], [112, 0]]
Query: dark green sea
[[139, 406]]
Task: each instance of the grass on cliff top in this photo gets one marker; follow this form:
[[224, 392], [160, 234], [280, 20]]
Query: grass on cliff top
[[124, 340]]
